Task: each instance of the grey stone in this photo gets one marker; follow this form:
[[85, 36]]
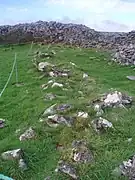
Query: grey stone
[[43, 65], [56, 120], [50, 111], [12, 154], [116, 99], [67, 168], [59, 73], [28, 134], [101, 124], [81, 153], [55, 84], [131, 78], [22, 165], [2, 123], [50, 96], [63, 107], [127, 168]]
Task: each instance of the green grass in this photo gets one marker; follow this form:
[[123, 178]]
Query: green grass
[[22, 107]]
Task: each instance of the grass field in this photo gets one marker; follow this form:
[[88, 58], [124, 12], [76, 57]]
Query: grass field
[[22, 107]]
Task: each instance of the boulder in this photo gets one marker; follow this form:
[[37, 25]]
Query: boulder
[[16, 154], [28, 134], [67, 168], [101, 124]]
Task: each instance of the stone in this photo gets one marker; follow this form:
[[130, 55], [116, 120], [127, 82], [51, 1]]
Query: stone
[[101, 124], [83, 115], [81, 153], [50, 82], [63, 107], [22, 165], [59, 73], [42, 66], [16, 154], [57, 85], [129, 140], [85, 76], [2, 123], [50, 96], [78, 143], [98, 109], [28, 134], [50, 111], [73, 64], [59, 147], [51, 74], [116, 99], [56, 120], [45, 86], [125, 55], [45, 55], [127, 168], [67, 168], [131, 78]]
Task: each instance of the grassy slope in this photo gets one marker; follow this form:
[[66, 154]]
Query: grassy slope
[[22, 106]]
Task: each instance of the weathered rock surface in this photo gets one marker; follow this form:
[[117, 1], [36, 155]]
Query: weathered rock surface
[[132, 78], [127, 168], [28, 134], [112, 99], [56, 120], [66, 168], [101, 124], [115, 99], [13, 154], [63, 107], [50, 96], [82, 115], [59, 73], [81, 153], [22, 165], [2, 123], [43, 65], [125, 55]]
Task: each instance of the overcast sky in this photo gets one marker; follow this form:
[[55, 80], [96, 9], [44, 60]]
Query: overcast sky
[[104, 15]]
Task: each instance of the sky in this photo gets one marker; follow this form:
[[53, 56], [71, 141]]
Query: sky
[[102, 15]]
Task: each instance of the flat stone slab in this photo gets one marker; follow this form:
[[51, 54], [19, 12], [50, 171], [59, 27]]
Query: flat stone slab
[[132, 78], [12, 154]]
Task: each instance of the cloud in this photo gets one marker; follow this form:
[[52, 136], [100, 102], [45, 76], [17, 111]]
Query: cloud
[[106, 15], [15, 9], [112, 26]]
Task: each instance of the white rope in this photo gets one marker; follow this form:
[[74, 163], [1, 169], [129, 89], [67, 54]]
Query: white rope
[[10, 75], [16, 69]]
